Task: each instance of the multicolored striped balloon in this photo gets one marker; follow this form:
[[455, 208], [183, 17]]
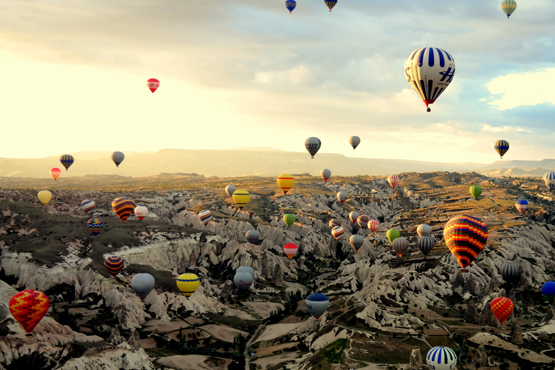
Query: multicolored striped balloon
[[205, 216], [88, 205], [441, 358], [67, 160], [337, 232], [55, 173], [29, 307], [290, 5], [502, 308], [123, 207], [465, 236], [95, 225], [502, 147], [114, 265]]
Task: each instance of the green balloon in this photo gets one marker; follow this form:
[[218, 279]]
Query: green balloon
[[393, 234], [289, 219], [475, 191]]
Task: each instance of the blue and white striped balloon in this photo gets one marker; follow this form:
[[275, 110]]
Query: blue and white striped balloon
[[549, 179], [441, 358], [521, 205]]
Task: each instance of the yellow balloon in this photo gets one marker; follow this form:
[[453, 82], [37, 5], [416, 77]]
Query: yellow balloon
[[241, 198], [285, 182], [188, 283], [45, 196]]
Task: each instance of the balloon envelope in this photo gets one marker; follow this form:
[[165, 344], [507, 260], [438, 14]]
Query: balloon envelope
[[187, 284], [508, 6], [290, 249], [67, 160], [45, 196], [392, 234], [253, 236], [243, 280], [95, 225], [334, 222], [363, 220], [521, 205], [356, 242], [142, 284], [248, 269], [290, 5], [312, 145], [354, 141], [88, 205], [330, 3], [285, 182], [28, 308], [205, 216], [141, 212], [337, 232], [241, 198], [114, 265], [342, 196], [353, 216], [465, 236], [373, 225], [400, 246], [475, 191], [501, 147], [289, 219], [55, 173], [426, 244], [123, 207], [510, 272], [230, 189], [548, 290], [118, 157], [393, 180], [326, 174], [153, 84], [317, 304], [502, 308], [441, 358], [424, 230], [549, 179]]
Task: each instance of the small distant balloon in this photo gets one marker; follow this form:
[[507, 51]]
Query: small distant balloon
[[285, 182], [142, 284], [243, 280], [354, 141], [205, 216], [400, 246], [88, 205], [118, 157], [426, 244], [392, 234], [317, 304], [230, 189], [45, 196], [356, 242], [67, 160], [312, 145], [114, 265], [362, 221], [248, 269], [475, 191], [353, 216], [508, 6], [141, 212], [289, 219], [393, 180], [510, 272], [153, 84], [521, 205], [424, 230], [337, 232], [342, 196], [548, 291], [187, 284], [253, 236], [330, 3], [123, 207], [55, 173], [326, 174], [241, 198], [334, 222], [290, 5], [502, 308], [502, 147], [373, 225], [290, 249], [95, 226]]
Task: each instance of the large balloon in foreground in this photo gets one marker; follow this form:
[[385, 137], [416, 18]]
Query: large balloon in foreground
[[502, 308], [392, 234], [290, 5], [241, 198], [55, 173], [549, 179], [326, 174], [95, 226], [28, 308], [289, 219], [67, 160], [118, 157], [142, 284], [187, 284], [400, 246], [205, 216], [356, 242], [285, 182], [393, 180], [248, 269], [501, 147], [429, 71], [243, 280], [475, 191], [153, 84], [114, 265], [354, 141], [353, 216], [508, 6], [312, 145], [426, 244], [253, 236], [123, 207], [317, 304], [423, 230], [441, 358], [341, 196], [230, 189], [548, 291], [521, 205], [373, 225], [45, 196], [141, 212], [510, 272], [88, 205], [290, 249], [362, 221], [330, 3], [465, 236]]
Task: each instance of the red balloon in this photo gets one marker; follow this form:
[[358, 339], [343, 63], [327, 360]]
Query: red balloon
[[152, 84], [502, 308], [55, 172], [29, 307]]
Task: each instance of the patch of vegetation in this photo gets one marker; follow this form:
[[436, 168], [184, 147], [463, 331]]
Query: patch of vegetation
[[334, 351]]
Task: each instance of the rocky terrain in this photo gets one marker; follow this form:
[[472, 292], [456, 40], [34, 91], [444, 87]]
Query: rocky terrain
[[385, 311]]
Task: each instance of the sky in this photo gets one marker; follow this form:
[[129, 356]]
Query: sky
[[247, 73]]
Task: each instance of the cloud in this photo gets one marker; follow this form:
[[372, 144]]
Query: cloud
[[488, 128]]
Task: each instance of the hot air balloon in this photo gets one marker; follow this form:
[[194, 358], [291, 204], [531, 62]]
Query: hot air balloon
[[114, 265], [55, 173], [88, 205], [326, 174], [95, 225], [241, 198], [549, 179], [290, 249], [508, 6], [502, 308], [465, 236], [187, 284], [248, 269], [510, 272], [330, 3], [429, 71], [289, 219], [393, 180], [333, 223], [392, 234], [67, 160], [317, 304], [230, 189], [28, 308], [342, 196], [354, 141], [424, 230], [290, 5], [475, 191], [118, 157], [441, 358], [45, 196], [141, 212], [356, 242], [152, 84], [426, 244], [253, 236], [285, 182], [373, 225], [337, 232], [502, 147], [548, 291], [123, 207], [243, 280], [205, 216], [362, 221], [312, 144], [521, 205], [400, 246], [142, 284], [353, 216]]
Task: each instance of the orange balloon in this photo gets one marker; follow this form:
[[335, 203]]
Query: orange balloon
[[55, 172], [29, 307]]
